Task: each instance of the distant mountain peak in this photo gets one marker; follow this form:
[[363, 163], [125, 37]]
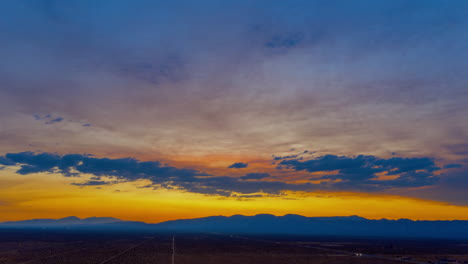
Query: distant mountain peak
[[356, 217], [70, 218]]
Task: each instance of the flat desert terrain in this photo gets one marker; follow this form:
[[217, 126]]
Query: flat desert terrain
[[94, 247]]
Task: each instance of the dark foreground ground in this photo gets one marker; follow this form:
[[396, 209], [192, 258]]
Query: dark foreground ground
[[66, 246]]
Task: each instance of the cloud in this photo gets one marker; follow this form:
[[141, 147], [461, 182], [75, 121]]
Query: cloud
[[458, 149], [226, 186], [357, 173], [6, 161], [34, 163], [260, 68], [238, 165], [399, 165], [327, 163], [451, 188], [48, 119], [266, 76], [93, 183], [452, 166], [292, 156], [285, 157], [362, 171], [73, 164], [255, 176], [55, 120]]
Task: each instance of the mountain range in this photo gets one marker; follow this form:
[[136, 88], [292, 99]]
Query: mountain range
[[67, 221], [267, 224]]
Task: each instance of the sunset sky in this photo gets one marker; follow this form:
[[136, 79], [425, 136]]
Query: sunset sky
[[157, 110]]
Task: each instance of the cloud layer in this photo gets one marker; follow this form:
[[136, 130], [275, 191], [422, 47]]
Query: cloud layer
[[360, 173], [235, 75], [184, 80]]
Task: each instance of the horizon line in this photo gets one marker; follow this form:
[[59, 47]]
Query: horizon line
[[228, 216]]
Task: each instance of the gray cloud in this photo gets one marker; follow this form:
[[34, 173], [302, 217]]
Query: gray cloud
[[458, 149]]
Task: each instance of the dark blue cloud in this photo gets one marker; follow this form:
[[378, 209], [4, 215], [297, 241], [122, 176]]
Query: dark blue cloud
[[452, 166], [327, 163], [361, 171], [6, 161], [238, 165], [255, 176], [73, 164], [399, 165], [34, 163]]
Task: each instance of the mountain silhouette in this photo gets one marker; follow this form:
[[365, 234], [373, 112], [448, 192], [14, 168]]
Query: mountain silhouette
[[71, 220], [269, 224]]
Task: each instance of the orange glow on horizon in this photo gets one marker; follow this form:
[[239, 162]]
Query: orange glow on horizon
[[52, 196]]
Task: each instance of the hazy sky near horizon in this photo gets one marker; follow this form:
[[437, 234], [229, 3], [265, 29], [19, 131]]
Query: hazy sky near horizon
[[317, 107]]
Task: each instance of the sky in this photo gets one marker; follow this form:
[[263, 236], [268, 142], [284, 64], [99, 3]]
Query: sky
[[157, 110]]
